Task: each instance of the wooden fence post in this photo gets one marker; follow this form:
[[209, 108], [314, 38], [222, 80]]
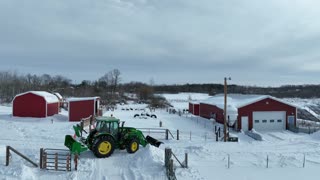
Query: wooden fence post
[[177, 134], [267, 161], [7, 155], [76, 162], [167, 156], [304, 160], [186, 160], [68, 163], [228, 161], [190, 135], [44, 160], [41, 158], [171, 173], [56, 161], [217, 139], [167, 134]]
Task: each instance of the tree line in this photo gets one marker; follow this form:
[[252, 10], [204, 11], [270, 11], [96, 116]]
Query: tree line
[[285, 91], [107, 87], [111, 90]]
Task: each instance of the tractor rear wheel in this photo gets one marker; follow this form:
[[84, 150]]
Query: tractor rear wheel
[[133, 146], [103, 146]]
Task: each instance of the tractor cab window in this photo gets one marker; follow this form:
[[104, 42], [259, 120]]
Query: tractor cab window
[[110, 127], [113, 128]]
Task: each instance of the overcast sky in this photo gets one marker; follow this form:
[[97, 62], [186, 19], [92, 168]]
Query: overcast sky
[[256, 42]]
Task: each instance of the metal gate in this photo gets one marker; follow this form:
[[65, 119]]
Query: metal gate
[[55, 159]]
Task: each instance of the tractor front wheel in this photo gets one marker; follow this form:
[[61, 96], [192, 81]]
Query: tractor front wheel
[[133, 146], [103, 146]]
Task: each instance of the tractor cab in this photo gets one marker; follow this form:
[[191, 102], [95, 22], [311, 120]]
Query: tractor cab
[[107, 125]]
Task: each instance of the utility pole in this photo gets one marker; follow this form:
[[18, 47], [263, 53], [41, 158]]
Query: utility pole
[[225, 109]]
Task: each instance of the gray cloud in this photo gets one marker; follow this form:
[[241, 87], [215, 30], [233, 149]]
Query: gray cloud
[[257, 42]]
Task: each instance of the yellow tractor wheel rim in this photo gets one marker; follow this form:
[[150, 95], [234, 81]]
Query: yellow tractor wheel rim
[[105, 147], [134, 146]]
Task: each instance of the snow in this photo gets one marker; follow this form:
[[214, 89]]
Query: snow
[[58, 95], [50, 98], [81, 99], [180, 100], [208, 159]]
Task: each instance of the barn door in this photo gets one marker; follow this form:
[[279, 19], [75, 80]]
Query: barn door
[[291, 120], [244, 123]]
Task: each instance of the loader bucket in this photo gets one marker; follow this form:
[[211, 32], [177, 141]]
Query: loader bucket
[[153, 141], [74, 146]]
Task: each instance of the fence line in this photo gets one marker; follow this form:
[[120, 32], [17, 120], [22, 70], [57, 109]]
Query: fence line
[[8, 155], [265, 161], [168, 161]]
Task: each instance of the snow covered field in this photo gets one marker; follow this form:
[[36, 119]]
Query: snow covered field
[[208, 159]]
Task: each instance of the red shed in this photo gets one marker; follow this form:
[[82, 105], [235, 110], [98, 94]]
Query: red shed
[[83, 107], [194, 108], [246, 112], [35, 104]]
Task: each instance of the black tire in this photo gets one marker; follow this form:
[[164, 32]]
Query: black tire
[[153, 116], [90, 138], [136, 115], [103, 146], [133, 146]]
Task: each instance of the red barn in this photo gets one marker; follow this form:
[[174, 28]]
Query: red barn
[[266, 113], [83, 107], [194, 108], [35, 104], [246, 112]]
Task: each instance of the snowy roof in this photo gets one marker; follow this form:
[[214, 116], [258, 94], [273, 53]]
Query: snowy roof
[[81, 99], [50, 98], [194, 102], [58, 95], [238, 100]]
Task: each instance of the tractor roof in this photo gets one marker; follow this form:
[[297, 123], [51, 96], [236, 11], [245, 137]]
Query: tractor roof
[[107, 118]]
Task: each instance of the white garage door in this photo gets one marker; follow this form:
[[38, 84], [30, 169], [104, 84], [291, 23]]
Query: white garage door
[[269, 120]]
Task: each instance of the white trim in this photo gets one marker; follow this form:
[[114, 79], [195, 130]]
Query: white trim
[[82, 99]]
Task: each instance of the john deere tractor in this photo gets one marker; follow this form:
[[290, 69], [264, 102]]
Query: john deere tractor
[[107, 136]]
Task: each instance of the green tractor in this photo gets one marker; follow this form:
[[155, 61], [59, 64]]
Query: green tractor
[[107, 136]]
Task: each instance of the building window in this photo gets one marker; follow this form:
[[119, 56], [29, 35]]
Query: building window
[[256, 121], [271, 120], [264, 121], [279, 120]]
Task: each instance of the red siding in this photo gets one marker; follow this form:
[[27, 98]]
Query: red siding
[[53, 109], [265, 105], [207, 110], [29, 105], [196, 109], [81, 109], [190, 108]]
